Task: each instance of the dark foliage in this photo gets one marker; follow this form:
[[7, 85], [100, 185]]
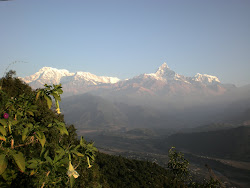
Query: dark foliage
[[121, 172]]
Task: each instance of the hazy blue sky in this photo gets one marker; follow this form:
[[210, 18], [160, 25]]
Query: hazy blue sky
[[124, 38]]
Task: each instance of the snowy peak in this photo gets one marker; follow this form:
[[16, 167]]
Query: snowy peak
[[49, 75], [87, 76], [50, 70], [163, 69], [166, 73], [206, 79], [163, 73]]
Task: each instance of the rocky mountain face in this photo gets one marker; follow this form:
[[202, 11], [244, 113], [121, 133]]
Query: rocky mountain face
[[164, 82]]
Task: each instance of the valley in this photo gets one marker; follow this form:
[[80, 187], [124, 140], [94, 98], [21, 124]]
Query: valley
[[139, 144]]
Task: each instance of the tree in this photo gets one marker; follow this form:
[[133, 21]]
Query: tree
[[178, 167], [180, 175]]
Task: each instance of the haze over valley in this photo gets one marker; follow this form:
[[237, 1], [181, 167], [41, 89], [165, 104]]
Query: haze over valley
[[163, 99]]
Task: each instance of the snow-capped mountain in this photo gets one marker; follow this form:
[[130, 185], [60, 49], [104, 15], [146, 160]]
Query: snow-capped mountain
[[49, 75], [164, 82], [46, 75], [164, 73], [90, 78]]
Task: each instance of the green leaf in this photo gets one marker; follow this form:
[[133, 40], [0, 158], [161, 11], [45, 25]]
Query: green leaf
[[82, 142], [3, 122], [61, 127], [41, 137], [32, 165], [19, 113], [38, 94], [59, 156], [50, 125], [34, 160], [3, 131], [72, 181], [20, 160], [15, 122], [48, 159], [57, 104], [3, 163], [77, 153], [31, 113], [63, 130], [33, 107], [46, 154], [77, 147], [10, 124], [42, 152], [30, 125], [60, 91], [56, 96], [24, 134], [49, 101]]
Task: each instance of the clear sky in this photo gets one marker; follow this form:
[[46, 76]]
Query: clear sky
[[124, 38]]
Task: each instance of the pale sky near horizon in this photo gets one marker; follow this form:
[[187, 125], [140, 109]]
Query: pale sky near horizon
[[125, 38]]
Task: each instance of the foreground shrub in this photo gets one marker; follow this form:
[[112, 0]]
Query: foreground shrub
[[34, 141]]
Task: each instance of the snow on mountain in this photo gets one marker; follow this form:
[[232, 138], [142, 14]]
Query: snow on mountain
[[164, 73], [164, 82], [88, 78], [96, 79], [207, 79], [49, 75]]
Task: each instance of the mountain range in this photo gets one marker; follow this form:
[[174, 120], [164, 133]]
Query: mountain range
[[164, 82], [160, 99]]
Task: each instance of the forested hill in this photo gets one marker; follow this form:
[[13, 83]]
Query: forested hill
[[117, 171]]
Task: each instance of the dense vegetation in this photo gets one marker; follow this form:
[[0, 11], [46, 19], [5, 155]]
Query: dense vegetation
[[37, 149]]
